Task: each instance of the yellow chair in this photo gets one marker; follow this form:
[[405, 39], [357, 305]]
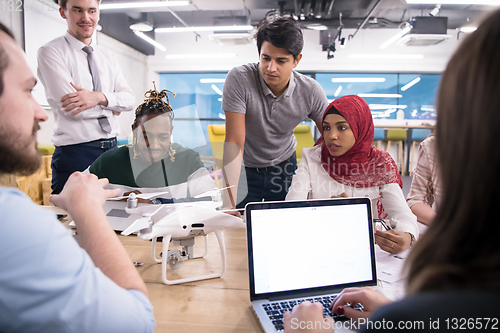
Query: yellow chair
[[216, 135], [304, 138], [398, 136], [46, 149]]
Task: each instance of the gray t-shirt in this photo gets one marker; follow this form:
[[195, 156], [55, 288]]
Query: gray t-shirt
[[270, 120]]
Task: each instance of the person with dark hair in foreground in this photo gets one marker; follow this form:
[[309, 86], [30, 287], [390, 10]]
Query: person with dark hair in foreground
[[454, 269], [48, 283], [263, 103]]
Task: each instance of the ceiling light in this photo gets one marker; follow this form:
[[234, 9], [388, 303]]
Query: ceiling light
[[395, 37], [386, 106], [149, 4], [428, 108], [210, 28], [337, 92], [201, 55], [359, 79], [216, 89], [381, 95], [467, 29], [141, 26], [410, 84], [317, 26], [435, 11], [150, 40], [454, 2], [212, 80], [386, 56]]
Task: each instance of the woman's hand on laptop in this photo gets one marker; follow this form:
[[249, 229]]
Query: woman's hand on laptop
[[307, 317], [347, 300], [392, 241]]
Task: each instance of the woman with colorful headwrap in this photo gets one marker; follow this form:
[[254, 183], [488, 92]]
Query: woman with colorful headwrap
[[153, 161], [343, 163]]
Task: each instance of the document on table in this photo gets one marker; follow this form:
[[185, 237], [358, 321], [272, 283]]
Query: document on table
[[390, 266]]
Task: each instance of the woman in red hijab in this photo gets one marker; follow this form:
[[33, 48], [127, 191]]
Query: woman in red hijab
[[343, 163]]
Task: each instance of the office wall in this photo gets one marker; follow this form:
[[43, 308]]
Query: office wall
[[14, 21], [366, 41]]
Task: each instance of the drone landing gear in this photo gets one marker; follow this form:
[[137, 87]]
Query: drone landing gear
[[172, 258]]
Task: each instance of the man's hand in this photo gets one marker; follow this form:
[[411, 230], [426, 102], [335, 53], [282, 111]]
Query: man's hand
[[367, 296], [82, 99], [83, 192], [304, 313], [392, 241]]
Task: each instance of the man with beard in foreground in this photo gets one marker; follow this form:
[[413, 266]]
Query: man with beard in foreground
[[47, 282]]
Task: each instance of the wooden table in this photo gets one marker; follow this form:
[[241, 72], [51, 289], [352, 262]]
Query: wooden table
[[216, 305]]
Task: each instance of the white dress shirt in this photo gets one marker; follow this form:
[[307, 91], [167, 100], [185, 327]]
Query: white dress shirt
[[311, 181], [62, 61]]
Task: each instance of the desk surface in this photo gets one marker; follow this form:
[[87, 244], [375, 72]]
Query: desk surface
[[216, 305]]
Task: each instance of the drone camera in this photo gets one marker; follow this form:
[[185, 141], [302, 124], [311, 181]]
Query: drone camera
[[174, 259]]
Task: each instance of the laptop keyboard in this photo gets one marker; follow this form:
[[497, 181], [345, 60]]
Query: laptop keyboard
[[275, 310]]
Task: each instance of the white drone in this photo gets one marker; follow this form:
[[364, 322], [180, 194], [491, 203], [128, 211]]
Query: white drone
[[181, 223]]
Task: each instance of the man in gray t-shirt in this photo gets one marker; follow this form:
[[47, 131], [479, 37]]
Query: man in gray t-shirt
[[263, 103]]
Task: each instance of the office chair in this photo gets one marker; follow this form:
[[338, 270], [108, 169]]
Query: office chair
[[304, 138]]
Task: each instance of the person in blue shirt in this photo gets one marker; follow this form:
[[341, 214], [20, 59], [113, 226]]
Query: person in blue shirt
[[48, 283]]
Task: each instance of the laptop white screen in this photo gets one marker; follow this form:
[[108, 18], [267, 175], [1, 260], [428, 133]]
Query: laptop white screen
[[307, 247]]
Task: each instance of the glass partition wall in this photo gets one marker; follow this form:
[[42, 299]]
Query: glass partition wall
[[390, 96]]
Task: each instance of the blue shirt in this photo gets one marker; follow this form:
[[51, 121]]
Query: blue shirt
[[49, 284]]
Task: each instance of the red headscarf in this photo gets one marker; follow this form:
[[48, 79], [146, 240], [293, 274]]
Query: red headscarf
[[362, 165]]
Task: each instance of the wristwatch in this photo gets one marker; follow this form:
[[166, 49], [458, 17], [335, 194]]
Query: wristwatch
[[412, 238]]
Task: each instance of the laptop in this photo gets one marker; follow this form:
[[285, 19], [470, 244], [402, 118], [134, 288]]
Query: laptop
[[307, 250]]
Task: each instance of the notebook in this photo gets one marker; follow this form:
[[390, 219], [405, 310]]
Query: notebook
[[307, 250]]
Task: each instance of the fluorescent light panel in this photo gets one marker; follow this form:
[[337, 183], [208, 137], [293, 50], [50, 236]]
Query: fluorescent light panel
[[468, 29], [150, 40], [395, 37], [148, 4], [201, 55], [210, 28], [410, 84], [337, 92], [381, 95], [386, 56], [216, 89], [386, 106], [358, 79], [454, 2], [212, 80]]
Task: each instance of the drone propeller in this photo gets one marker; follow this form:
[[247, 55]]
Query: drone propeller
[[139, 196], [139, 224], [212, 192]]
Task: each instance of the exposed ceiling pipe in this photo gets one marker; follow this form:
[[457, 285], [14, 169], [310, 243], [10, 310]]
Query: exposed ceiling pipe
[[329, 12], [182, 21], [366, 20]]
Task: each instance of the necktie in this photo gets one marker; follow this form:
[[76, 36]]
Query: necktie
[[96, 81]]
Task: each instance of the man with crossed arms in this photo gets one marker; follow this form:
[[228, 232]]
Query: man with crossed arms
[[85, 89]]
